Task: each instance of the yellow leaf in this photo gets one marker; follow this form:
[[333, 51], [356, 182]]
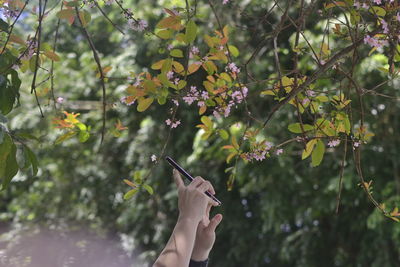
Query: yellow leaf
[[193, 68], [230, 156], [158, 65], [53, 56], [234, 142], [144, 103], [202, 109], [309, 148], [178, 67]]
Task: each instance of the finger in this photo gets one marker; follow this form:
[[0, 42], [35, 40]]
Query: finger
[[215, 221], [196, 182], [208, 209], [211, 188], [178, 179], [205, 186]]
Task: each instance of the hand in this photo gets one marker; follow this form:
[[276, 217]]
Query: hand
[[192, 200], [205, 236]]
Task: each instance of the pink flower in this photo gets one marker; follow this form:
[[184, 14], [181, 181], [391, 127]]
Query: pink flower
[[60, 100], [137, 25], [398, 17], [224, 2], [279, 151], [310, 93], [170, 46], [357, 4], [378, 2], [168, 122], [175, 124], [305, 101], [374, 42], [232, 67], [385, 26], [334, 143], [245, 90], [170, 75], [175, 102], [204, 95], [153, 158], [200, 103], [194, 51]]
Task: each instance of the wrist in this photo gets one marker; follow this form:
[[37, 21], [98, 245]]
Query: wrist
[[200, 255], [189, 219]]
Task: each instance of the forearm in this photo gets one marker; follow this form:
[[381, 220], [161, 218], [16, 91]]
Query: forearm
[[179, 248]]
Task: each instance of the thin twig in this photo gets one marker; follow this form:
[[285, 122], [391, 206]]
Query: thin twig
[[100, 69]]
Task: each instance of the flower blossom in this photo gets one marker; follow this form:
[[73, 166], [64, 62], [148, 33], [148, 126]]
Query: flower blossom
[[192, 96], [232, 67], [385, 26], [334, 143], [30, 50], [60, 100], [172, 124], [153, 158], [194, 51], [310, 93], [279, 151], [224, 2], [137, 25], [374, 42]]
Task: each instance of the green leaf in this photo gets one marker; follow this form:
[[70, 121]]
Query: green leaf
[[137, 177], [5, 149], [83, 136], [3, 26], [176, 53], [9, 92], [164, 34], [11, 167], [81, 126], [73, 3], [224, 134], [191, 31], [32, 158], [181, 84], [26, 135], [233, 50], [144, 104], [318, 153], [309, 148], [85, 17], [128, 195], [65, 14], [53, 56], [148, 188], [296, 127], [207, 122], [378, 11], [64, 137]]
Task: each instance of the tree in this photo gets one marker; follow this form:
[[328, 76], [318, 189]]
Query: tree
[[253, 74]]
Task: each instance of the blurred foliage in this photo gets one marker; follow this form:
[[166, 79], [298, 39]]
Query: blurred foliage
[[280, 212]]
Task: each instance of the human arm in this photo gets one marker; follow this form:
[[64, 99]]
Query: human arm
[[205, 236], [192, 203]]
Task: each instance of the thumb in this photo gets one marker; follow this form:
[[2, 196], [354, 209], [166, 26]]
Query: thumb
[[178, 179], [214, 222]]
